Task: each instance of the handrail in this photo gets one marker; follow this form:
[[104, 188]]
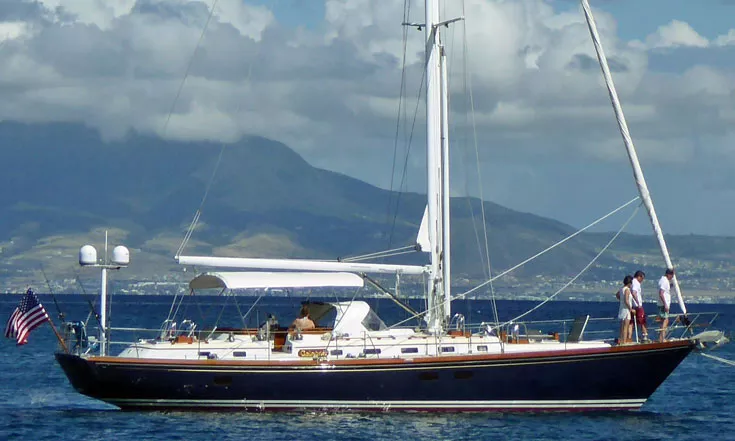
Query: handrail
[[693, 316], [598, 329]]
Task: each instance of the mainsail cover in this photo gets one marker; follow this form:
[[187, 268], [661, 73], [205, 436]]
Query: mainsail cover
[[274, 280]]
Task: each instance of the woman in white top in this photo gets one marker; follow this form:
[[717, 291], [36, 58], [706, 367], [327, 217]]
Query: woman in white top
[[625, 310]]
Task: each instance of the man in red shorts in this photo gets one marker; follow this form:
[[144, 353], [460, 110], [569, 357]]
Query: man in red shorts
[[640, 313]]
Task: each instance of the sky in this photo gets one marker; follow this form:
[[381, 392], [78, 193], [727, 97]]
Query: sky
[[531, 126]]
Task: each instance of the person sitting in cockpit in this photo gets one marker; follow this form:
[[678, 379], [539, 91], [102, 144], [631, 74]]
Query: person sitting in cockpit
[[303, 322]]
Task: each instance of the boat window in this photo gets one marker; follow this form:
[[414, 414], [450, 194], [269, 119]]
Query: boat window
[[323, 314], [372, 351], [336, 352], [447, 348], [372, 322], [223, 380], [482, 348], [409, 350], [239, 354], [428, 376], [463, 375]]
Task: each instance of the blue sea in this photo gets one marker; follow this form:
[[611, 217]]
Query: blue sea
[[37, 402]]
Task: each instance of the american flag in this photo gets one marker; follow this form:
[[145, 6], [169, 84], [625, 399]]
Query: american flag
[[29, 315]]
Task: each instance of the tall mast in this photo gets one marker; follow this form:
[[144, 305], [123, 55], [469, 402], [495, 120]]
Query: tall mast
[[446, 250], [630, 148], [435, 305]]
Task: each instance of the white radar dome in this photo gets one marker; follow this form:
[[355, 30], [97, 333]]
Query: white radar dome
[[120, 255], [87, 255]]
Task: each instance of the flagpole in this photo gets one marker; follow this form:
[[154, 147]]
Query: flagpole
[[58, 336]]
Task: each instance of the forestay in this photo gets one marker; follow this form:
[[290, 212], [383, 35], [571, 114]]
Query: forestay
[[640, 180]]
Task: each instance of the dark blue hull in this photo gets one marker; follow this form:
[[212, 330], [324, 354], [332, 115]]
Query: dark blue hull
[[592, 379]]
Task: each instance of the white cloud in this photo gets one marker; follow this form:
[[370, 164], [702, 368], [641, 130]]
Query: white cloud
[[10, 30], [92, 12], [726, 39], [532, 69], [511, 114], [375, 26], [249, 20], [675, 34], [705, 81], [331, 89]]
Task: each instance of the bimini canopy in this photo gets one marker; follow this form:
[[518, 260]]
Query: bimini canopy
[[274, 280]]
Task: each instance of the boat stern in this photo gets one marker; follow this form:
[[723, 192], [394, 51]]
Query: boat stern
[[81, 374]]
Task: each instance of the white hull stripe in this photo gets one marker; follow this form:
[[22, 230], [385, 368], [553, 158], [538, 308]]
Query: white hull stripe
[[383, 405]]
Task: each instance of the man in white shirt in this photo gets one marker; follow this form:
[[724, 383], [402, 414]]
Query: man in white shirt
[[640, 313], [664, 301]]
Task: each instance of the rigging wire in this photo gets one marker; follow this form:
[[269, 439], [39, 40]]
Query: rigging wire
[[377, 254], [451, 44], [194, 221], [405, 162], [91, 304], [480, 188], [408, 151], [189, 65], [540, 253], [173, 313], [463, 149], [573, 279], [198, 213], [484, 257], [223, 308], [247, 314], [453, 126], [53, 296], [210, 182], [535, 256], [412, 250], [401, 107], [171, 308]]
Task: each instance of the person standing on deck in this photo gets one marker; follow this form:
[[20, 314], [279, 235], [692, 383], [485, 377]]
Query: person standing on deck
[[640, 313], [625, 309], [664, 301]]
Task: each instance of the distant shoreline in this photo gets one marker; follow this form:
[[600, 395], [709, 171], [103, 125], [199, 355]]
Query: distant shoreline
[[690, 297]]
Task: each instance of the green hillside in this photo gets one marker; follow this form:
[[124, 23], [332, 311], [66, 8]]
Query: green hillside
[[62, 186]]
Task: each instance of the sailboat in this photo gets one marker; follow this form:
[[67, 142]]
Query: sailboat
[[353, 361]]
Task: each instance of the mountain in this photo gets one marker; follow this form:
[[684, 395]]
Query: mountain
[[62, 186]]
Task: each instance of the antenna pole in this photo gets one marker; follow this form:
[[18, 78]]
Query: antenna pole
[[103, 303]]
